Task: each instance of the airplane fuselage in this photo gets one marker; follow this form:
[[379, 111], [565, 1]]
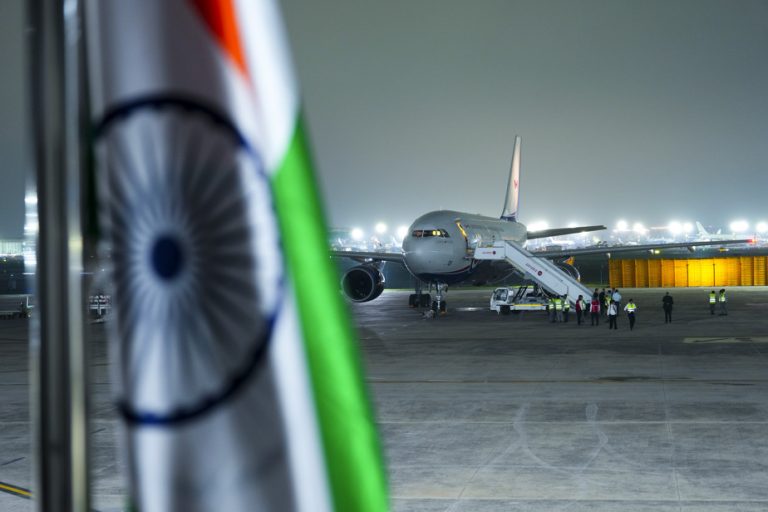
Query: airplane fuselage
[[439, 245]]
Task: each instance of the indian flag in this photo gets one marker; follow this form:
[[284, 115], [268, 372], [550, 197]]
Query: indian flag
[[238, 373]]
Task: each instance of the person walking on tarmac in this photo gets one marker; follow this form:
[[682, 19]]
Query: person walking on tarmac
[[630, 308], [612, 312], [722, 301], [601, 298], [558, 309], [594, 310], [580, 309], [712, 302], [566, 308], [666, 303], [551, 309], [617, 298]]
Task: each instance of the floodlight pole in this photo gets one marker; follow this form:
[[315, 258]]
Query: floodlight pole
[[58, 348]]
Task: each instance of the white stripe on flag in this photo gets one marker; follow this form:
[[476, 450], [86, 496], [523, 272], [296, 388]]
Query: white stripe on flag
[[267, 53], [305, 449]]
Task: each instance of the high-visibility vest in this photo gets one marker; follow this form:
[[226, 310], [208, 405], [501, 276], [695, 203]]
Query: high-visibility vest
[[558, 304], [722, 297], [566, 305], [712, 298], [631, 307]]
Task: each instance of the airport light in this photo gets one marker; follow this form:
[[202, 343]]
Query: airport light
[[761, 227], [639, 228], [675, 227], [402, 232], [380, 228], [739, 226], [357, 234], [687, 228], [539, 225], [622, 225]]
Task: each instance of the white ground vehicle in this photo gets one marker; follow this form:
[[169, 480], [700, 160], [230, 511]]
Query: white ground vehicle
[[525, 298]]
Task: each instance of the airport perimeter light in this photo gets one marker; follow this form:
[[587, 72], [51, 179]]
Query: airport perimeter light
[[639, 228], [357, 234], [739, 226], [402, 231], [622, 225], [380, 228], [761, 227], [687, 228], [675, 227]]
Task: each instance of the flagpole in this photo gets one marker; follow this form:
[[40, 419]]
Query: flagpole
[[58, 348]]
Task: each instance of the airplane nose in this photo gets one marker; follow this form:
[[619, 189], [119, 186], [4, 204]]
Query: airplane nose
[[424, 256]]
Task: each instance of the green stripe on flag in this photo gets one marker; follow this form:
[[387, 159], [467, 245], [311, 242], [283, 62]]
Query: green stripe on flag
[[350, 440]]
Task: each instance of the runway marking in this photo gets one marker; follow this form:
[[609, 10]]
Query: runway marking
[[727, 339], [15, 491]]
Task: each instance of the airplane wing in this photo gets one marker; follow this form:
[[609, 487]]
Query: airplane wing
[[544, 233], [633, 248], [363, 256]]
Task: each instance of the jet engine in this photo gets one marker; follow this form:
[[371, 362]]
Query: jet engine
[[362, 283], [569, 269]]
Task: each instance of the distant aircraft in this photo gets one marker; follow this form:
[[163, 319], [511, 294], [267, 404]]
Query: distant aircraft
[[704, 235], [440, 245]]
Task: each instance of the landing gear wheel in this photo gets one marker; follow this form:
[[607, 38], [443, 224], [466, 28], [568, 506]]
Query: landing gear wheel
[[413, 300], [442, 306], [424, 300]]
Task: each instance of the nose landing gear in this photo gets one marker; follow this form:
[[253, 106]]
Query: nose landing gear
[[439, 305], [436, 307], [418, 299]]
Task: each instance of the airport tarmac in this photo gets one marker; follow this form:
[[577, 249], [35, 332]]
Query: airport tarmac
[[480, 412]]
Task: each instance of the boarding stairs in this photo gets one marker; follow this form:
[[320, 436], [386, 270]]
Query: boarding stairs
[[540, 270]]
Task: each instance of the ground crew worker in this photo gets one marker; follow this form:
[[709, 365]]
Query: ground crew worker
[[594, 310], [581, 309], [666, 303], [558, 309], [551, 309], [630, 308], [722, 301], [607, 300], [566, 308], [612, 313], [712, 302], [601, 298]]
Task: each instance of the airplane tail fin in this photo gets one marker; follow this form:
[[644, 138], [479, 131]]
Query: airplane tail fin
[[513, 186], [701, 229]]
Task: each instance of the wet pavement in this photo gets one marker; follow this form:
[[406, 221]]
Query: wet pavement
[[481, 412]]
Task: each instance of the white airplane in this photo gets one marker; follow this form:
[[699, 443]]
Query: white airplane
[[439, 247], [704, 235]]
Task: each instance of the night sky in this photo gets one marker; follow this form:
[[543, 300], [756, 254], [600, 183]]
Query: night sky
[[647, 110]]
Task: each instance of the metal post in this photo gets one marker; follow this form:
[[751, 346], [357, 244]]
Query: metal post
[[57, 343]]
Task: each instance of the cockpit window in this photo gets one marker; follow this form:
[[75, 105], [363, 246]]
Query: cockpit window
[[424, 233]]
